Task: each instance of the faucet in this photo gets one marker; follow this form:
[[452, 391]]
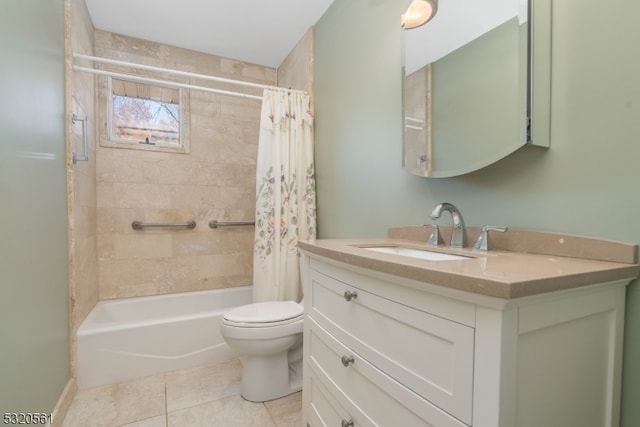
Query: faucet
[[482, 244], [458, 234], [434, 238]]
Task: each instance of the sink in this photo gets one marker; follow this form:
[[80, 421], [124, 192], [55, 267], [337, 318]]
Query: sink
[[416, 253]]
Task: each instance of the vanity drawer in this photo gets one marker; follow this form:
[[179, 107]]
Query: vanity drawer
[[370, 397], [428, 354], [325, 410]]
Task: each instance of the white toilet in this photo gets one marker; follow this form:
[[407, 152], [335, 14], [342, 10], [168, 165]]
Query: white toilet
[[268, 338]]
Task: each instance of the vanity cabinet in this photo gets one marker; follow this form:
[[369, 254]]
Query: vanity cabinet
[[381, 350]]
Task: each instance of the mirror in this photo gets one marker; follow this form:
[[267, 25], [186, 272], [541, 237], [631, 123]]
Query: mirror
[[466, 87]]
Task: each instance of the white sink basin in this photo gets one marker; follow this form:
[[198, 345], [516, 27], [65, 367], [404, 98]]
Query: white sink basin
[[416, 253]]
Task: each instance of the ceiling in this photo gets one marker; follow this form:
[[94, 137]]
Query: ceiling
[[260, 32]]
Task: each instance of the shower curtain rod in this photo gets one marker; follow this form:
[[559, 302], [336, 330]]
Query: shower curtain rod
[[169, 71], [163, 82]]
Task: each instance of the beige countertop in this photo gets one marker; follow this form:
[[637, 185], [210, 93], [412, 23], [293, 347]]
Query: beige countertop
[[530, 269]]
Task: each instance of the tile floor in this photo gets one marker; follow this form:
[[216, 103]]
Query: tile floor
[[206, 396]]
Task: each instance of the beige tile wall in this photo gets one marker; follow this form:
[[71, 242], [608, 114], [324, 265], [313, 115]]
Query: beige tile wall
[[216, 180], [296, 71], [82, 177]]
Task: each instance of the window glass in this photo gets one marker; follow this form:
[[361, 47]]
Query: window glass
[[145, 114]]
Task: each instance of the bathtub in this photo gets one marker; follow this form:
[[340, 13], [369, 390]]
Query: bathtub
[[132, 338]]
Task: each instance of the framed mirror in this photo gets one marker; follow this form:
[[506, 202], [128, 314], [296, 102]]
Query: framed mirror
[[468, 93]]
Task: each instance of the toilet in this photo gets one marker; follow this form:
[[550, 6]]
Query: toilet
[[268, 338]]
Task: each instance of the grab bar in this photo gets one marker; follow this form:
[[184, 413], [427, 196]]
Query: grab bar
[[85, 141], [139, 225], [216, 224]]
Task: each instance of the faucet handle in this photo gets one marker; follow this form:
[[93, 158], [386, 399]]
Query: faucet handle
[[482, 244], [434, 238]]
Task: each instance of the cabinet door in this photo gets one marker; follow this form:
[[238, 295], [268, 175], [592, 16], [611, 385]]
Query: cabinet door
[[428, 354]]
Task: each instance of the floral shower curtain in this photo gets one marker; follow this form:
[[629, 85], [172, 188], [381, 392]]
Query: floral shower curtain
[[285, 194]]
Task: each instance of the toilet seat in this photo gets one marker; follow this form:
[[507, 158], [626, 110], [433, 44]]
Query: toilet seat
[[264, 314]]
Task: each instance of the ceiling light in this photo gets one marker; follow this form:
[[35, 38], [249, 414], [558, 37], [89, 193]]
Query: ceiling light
[[419, 13]]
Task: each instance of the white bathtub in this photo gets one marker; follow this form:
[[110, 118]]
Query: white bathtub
[[135, 337]]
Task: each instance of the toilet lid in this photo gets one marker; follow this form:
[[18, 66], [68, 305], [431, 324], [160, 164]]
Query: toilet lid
[[265, 312]]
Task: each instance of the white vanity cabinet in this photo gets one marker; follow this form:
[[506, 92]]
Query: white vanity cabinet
[[381, 350]]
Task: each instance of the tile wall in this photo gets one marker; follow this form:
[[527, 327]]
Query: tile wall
[[296, 71], [215, 180], [82, 205]]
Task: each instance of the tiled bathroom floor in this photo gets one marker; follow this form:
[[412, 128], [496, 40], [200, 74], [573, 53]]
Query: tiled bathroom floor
[[206, 396]]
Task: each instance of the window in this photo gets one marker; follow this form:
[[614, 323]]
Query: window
[[144, 114]]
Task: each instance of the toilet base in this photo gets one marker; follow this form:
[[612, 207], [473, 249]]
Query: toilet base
[[268, 377]]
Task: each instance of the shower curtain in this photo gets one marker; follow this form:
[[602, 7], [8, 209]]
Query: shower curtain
[[285, 194]]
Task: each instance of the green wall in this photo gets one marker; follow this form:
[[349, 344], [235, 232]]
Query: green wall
[[587, 182], [362, 188], [34, 328]]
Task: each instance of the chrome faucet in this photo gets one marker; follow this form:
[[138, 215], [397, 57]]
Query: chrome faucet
[[434, 238], [482, 244], [458, 234]]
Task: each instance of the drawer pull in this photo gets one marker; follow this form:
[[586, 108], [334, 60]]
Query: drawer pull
[[346, 423], [347, 360], [349, 295]]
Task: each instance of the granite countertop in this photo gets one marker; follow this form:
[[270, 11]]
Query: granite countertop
[[545, 262]]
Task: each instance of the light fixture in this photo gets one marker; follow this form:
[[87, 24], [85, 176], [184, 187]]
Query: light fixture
[[419, 13]]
